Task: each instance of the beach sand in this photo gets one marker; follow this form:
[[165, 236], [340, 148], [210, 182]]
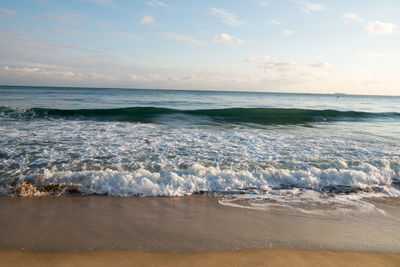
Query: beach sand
[[266, 257], [197, 230]]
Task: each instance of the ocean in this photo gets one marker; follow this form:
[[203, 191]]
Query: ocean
[[312, 153]]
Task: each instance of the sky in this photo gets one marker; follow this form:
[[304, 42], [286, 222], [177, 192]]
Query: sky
[[321, 46]]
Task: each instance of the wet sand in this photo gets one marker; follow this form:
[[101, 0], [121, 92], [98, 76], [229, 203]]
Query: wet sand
[[64, 230], [267, 257]]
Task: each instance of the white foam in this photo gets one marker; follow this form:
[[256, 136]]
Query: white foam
[[307, 201], [114, 158]]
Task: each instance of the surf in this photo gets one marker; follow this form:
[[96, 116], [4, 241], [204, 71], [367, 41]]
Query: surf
[[263, 116]]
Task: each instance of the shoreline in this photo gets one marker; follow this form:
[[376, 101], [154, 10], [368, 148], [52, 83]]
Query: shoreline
[[183, 225], [265, 257]]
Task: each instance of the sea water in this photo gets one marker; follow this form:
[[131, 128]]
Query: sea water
[[313, 153]]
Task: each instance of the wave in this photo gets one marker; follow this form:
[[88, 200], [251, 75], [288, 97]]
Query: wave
[[230, 115], [318, 192], [200, 178]]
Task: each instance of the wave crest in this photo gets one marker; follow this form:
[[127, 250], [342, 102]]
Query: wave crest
[[229, 115]]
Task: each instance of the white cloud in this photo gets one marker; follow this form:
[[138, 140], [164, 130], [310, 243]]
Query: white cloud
[[238, 42], [264, 4], [138, 78], [379, 27], [155, 3], [190, 77], [289, 75], [226, 17], [36, 72], [272, 21], [267, 62], [35, 52], [279, 64], [180, 38], [258, 59], [351, 17], [224, 37], [280, 71], [98, 76], [7, 11], [160, 76], [308, 7], [147, 20], [319, 65], [287, 32]]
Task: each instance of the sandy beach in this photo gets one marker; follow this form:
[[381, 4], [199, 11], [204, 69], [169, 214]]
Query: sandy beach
[[196, 230], [267, 257]]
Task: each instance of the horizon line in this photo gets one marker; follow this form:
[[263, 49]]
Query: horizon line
[[199, 90]]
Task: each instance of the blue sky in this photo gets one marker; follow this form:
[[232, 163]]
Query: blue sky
[[349, 46]]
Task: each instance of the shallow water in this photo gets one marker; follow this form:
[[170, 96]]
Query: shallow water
[[257, 150], [185, 224]]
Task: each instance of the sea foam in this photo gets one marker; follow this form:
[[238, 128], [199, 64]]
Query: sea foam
[[282, 165]]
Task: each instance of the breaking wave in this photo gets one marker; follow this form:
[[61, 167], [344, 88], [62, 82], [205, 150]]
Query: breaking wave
[[229, 115]]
